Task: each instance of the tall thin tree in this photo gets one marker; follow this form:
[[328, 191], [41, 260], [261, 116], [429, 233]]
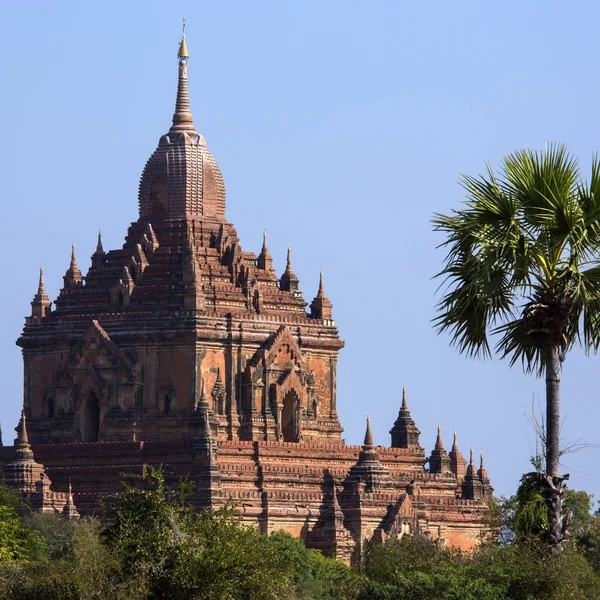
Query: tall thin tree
[[523, 265]]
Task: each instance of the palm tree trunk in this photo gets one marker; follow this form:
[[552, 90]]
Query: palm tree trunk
[[554, 484], [552, 411]]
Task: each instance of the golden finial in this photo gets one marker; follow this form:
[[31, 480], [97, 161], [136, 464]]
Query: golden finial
[[183, 51]]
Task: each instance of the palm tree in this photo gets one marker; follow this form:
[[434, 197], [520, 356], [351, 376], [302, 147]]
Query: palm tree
[[523, 266]]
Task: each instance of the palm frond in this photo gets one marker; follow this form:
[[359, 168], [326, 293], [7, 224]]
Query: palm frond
[[517, 344], [529, 235]]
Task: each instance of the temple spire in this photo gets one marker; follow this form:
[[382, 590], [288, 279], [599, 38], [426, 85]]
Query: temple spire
[[320, 307], [41, 288], [482, 472], [182, 118], [439, 443], [69, 511], [289, 281], [202, 404], [471, 468], [264, 261], [368, 434], [458, 464], [404, 432], [73, 275], [23, 450], [439, 461], [368, 468], [40, 305], [99, 248], [22, 437]]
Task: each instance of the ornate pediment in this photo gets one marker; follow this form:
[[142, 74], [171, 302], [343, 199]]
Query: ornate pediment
[[400, 518], [98, 350], [281, 351]]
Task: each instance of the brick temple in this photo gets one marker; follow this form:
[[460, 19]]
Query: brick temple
[[183, 349]]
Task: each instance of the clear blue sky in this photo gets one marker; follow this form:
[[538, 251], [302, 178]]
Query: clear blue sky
[[339, 127]]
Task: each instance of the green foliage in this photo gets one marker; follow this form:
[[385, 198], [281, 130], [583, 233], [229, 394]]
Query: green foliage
[[416, 569], [579, 504], [529, 570], [144, 526], [18, 542], [531, 514], [87, 570], [154, 546], [419, 569], [54, 530], [183, 554], [314, 576]]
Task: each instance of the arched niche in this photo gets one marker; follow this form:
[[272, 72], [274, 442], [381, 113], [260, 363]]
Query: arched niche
[[289, 417], [90, 417]]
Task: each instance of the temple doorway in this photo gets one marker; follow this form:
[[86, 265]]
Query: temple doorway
[[90, 418], [289, 417]]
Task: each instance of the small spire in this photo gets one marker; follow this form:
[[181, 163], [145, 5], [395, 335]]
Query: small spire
[[183, 51], [471, 468], [40, 305], [73, 275], [482, 473], [439, 443], [338, 515], [182, 118], [320, 307], [455, 443], [99, 248], [368, 434], [458, 465], [23, 450], [264, 261], [404, 432], [321, 292], [41, 287], [289, 281], [202, 404], [22, 437], [1, 442], [69, 509], [218, 380]]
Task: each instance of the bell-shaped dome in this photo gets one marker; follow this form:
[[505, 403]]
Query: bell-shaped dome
[[182, 178]]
